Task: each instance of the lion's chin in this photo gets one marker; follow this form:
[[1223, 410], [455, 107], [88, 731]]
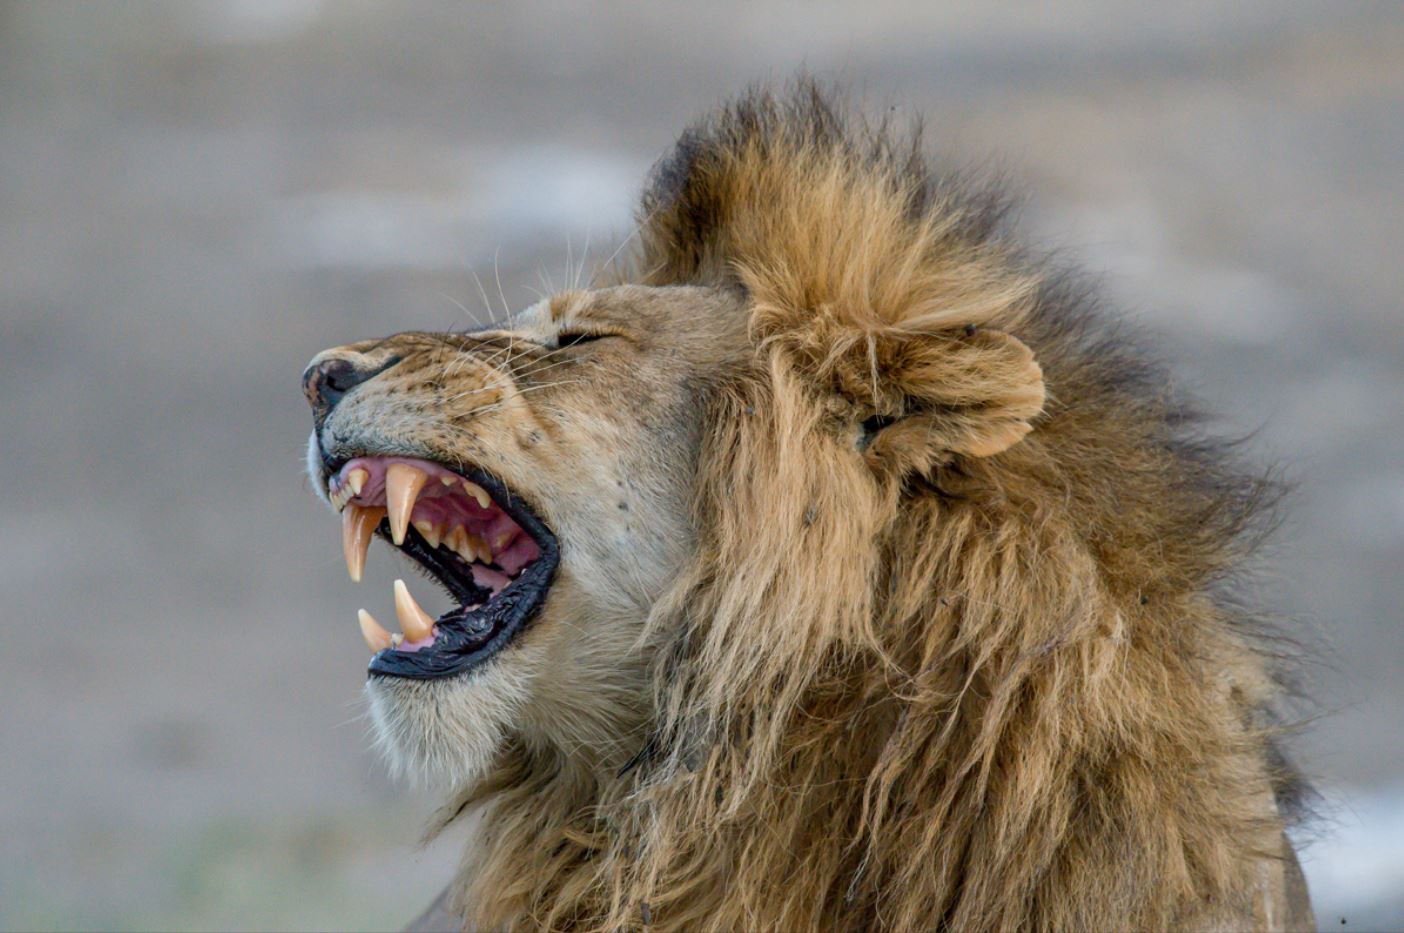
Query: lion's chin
[[445, 734]]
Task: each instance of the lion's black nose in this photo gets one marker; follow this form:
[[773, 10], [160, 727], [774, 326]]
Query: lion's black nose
[[328, 380]]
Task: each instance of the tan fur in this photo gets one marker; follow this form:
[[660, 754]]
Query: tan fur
[[911, 616]]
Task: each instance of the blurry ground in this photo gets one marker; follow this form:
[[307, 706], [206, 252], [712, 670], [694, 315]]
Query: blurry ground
[[195, 198]]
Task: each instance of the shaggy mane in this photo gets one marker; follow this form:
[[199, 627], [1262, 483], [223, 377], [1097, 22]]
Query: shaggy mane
[[977, 678]]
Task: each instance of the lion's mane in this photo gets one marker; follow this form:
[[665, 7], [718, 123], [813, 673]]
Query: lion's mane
[[983, 677]]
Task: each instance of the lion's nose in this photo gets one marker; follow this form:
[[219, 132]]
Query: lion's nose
[[329, 378]]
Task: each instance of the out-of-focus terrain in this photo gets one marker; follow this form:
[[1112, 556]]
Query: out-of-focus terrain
[[196, 197]]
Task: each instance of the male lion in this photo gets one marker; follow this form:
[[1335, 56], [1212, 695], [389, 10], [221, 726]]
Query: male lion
[[835, 568]]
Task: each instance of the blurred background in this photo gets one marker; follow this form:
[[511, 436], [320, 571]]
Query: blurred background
[[196, 197]]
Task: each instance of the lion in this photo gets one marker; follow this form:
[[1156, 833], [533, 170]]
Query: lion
[[836, 564]]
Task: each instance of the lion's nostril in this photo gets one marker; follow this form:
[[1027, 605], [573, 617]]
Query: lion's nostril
[[334, 379], [326, 382]]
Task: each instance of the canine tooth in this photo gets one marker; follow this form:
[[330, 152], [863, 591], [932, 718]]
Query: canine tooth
[[402, 485], [478, 492], [415, 621], [358, 523], [428, 531], [356, 480], [377, 639]]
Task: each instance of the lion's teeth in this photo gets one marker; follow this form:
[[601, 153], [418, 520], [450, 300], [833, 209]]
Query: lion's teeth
[[478, 492], [402, 485], [377, 639], [481, 551], [416, 622], [339, 497], [446, 480], [428, 531], [356, 480], [358, 523], [466, 544]]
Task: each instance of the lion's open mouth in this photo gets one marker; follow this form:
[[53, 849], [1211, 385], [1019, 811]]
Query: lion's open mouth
[[482, 543]]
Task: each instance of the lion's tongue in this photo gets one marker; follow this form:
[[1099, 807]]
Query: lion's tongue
[[490, 579]]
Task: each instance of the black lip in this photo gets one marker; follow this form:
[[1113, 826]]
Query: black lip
[[464, 640]]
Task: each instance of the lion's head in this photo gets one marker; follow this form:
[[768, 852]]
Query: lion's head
[[787, 594], [543, 474]]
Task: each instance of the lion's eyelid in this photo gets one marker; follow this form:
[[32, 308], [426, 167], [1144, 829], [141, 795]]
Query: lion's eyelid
[[575, 338]]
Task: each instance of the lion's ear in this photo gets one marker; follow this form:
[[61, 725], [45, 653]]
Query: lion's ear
[[887, 300], [975, 395]]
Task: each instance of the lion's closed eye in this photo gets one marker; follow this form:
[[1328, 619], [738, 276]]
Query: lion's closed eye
[[574, 338]]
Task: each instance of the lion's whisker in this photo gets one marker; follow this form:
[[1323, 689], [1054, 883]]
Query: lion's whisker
[[516, 392]]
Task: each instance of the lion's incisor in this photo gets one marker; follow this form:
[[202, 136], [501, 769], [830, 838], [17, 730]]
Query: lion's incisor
[[890, 582]]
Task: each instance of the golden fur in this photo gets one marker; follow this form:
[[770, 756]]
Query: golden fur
[[935, 637]]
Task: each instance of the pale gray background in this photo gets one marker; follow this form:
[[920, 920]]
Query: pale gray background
[[196, 197]]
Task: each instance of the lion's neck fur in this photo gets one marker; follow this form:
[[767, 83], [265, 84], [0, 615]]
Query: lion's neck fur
[[1009, 712], [929, 688]]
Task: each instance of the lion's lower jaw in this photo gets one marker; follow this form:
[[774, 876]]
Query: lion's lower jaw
[[444, 734]]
